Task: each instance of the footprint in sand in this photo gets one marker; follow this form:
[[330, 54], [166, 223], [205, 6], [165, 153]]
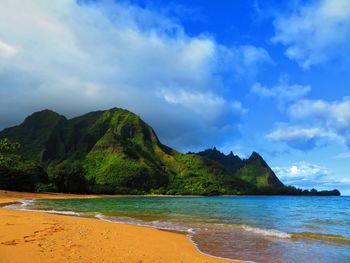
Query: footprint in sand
[[10, 243]]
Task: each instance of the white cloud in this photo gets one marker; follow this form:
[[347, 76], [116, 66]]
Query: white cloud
[[301, 169], [80, 57], [283, 92], [307, 175], [252, 55], [303, 138], [294, 132], [294, 170], [209, 106], [333, 116], [316, 32], [7, 50], [250, 59], [316, 123], [335, 113]]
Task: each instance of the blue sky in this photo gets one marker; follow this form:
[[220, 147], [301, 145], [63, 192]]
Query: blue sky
[[270, 76]]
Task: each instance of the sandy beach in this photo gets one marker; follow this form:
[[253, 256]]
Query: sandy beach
[[27, 236]]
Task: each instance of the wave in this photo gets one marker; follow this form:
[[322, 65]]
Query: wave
[[296, 236], [70, 213], [267, 232], [19, 204], [25, 203]]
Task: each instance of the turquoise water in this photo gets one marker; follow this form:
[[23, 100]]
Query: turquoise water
[[260, 229]]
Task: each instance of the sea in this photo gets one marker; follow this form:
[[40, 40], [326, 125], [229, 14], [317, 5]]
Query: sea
[[248, 228]]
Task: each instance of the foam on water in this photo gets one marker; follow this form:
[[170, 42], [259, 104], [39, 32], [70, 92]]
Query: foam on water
[[24, 205], [267, 232]]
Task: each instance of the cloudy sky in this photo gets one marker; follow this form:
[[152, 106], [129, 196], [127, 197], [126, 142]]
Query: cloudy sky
[[240, 75]]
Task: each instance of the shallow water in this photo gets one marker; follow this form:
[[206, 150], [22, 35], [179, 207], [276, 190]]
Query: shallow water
[[260, 229]]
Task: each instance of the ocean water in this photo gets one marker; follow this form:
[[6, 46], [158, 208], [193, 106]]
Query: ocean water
[[259, 229]]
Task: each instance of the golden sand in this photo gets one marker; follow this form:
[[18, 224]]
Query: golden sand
[[37, 237]]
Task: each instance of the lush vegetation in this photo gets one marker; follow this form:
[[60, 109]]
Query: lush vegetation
[[17, 173], [253, 170], [115, 152]]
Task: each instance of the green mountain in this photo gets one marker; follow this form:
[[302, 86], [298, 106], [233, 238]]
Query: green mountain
[[231, 162], [36, 133], [115, 151], [253, 170]]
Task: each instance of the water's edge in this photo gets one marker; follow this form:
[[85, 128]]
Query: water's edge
[[23, 203], [265, 229]]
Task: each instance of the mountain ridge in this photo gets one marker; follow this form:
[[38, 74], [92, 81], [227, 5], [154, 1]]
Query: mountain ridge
[[115, 151], [234, 163]]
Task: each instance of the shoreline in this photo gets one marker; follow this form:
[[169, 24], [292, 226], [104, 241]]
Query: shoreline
[[25, 233]]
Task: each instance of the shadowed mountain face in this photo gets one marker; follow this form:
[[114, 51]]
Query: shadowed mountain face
[[36, 133], [231, 162], [263, 174], [114, 151], [253, 170]]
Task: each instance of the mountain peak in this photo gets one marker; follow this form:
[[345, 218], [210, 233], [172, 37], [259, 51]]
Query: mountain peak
[[257, 159], [47, 111], [255, 155], [230, 161], [44, 112], [36, 133], [119, 110], [44, 116], [116, 110]]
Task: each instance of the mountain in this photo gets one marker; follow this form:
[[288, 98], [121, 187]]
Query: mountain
[[36, 133], [231, 162], [115, 151], [253, 170]]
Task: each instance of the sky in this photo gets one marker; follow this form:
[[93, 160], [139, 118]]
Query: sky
[[246, 75]]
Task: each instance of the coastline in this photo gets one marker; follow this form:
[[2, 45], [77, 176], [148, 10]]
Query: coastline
[[28, 236]]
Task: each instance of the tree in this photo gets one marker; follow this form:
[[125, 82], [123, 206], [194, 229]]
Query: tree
[[8, 147], [17, 173], [69, 177]]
